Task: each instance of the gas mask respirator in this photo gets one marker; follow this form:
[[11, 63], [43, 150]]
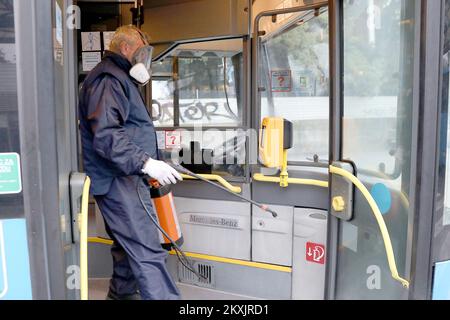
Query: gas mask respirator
[[142, 65]]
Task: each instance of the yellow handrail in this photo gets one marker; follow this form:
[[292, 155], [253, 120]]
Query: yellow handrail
[[309, 182], [99, 240], [379, 217], [259, 265], [323, 184], [83, 227], [214, 177]]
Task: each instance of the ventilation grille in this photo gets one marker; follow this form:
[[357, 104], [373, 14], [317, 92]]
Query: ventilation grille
[[205, 270]]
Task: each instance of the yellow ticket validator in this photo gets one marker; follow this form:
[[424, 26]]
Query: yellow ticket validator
[[276, 137]]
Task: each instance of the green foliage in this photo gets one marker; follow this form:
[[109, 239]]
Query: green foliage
[[447, 26], [298, 46], [300, 42], [372, 67]]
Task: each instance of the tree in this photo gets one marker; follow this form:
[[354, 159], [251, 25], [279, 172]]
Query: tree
[[302, 48]]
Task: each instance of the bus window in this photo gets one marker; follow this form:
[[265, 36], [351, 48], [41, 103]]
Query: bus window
[[11, 205], [444, 155], [442, 214], [295, 76], [162, 93], [379, 41], [204, 88], [162, 102], [198, 90]]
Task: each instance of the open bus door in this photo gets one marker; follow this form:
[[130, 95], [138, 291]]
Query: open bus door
[[382, 144], [385, 74]]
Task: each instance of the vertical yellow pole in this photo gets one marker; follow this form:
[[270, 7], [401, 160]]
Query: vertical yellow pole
[[83, 226], [284, 176]]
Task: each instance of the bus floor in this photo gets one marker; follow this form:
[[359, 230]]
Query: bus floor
[[98, 289]]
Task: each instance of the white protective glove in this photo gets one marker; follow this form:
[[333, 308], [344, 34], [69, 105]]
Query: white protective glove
[[162, 172]]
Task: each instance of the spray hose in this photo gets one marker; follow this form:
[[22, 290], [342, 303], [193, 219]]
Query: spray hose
[[179, 252], [184, 260]]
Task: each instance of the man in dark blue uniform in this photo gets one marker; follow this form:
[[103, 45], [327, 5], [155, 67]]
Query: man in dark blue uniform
[[119, 148]]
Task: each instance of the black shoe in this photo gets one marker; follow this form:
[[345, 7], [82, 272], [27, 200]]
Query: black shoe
[[113, 296]]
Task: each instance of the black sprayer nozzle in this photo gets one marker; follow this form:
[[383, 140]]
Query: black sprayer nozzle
[[189, 173]]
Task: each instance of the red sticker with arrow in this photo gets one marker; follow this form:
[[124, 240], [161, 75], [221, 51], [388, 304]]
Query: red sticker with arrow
[[315, 253]]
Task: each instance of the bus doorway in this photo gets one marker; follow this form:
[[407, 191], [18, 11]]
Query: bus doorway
[[360, 191]]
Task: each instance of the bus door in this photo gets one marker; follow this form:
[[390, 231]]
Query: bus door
[[291, 72], [377, 137], [346, 75], [37, 116]]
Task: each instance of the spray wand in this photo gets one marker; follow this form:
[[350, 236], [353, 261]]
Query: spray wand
[[183, 170]]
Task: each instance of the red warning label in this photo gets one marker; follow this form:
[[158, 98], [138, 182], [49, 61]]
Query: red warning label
[[315, 253]]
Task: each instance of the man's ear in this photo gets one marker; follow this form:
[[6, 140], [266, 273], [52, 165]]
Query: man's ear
[[124, 48]]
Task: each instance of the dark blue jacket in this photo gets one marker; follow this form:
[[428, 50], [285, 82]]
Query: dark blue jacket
[[116, 130]]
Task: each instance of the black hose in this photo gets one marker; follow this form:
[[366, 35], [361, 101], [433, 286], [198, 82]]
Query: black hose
[[180, 254]]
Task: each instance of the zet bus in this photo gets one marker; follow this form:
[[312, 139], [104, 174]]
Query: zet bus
[[360, 186]]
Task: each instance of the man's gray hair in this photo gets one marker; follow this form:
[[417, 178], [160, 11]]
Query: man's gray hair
[[129, 34]]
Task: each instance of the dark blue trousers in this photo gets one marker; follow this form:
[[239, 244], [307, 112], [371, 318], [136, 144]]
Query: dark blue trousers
[[139, 260]]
